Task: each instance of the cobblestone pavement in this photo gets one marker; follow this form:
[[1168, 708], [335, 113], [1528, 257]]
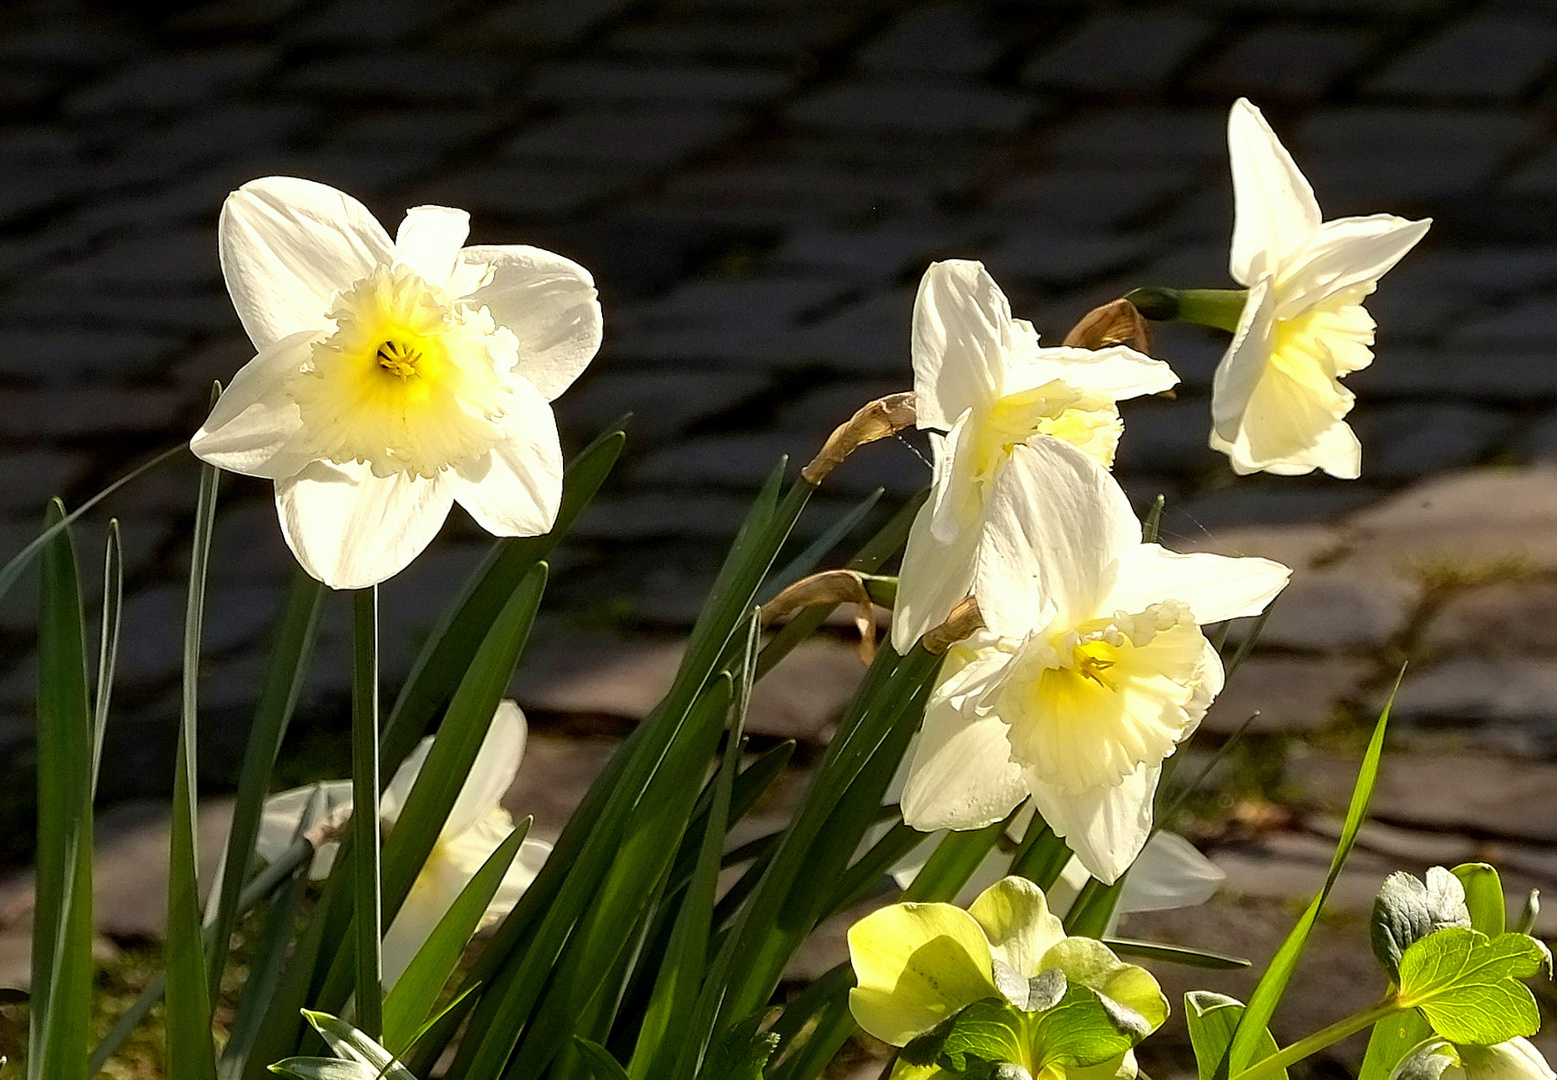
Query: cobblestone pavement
[[757, 185]]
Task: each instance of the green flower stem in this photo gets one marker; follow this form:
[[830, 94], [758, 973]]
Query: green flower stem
[[1219, 308], [365, 811], [1320, 1039]]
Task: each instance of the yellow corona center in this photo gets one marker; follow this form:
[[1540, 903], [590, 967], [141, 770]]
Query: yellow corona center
[[410, 381], [1087, 422]]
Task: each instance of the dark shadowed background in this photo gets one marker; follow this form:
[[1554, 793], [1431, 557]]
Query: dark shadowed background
[[757, 186]]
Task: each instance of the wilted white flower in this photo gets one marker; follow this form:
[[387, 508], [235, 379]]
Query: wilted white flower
[[394, 377], [1092, 668], [981, 377], [1277, 403], [476, 826]]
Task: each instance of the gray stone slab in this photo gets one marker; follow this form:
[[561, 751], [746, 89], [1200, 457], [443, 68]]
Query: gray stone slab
[[91, 411], [418, 78], [1087, 197], [1166, 436], [1339, 609], [1480, 795], [663, 403], [1251, 502], [596, 80], [417, 132], [881, 252], [555, 774], [1527, 322], [1470, 691], [789, 37], [658, 515], [1172, 136], [1120, 51], [720, 461], [647, 138], [1291, 695], [1507, 618], [1487, 56], [523, 191], [868, 338], [1410, 441], [65, 354], [1536, 176], [531, 25], [916, 107], [359, 22], [185, 258], [1059, 260], [940, 39], [1513, 374], [1286, 62], [173, 83]]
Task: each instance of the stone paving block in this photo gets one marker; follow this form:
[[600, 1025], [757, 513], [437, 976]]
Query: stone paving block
[[152, 309], [1091, 198], [720, 461], [1139, 50], [419, 78], [1487, 56], [91, 411], [1479, 795], [1538, 441], [1298, 546], [814, 414], [1286, 62], [555, 774], [1466, 521], [1508, 618], [1265, 503], [233, 16], [594, 80], [359, 22], [217, 132], [1291, 695], [1530, 321], [522, 191], [663, 403], [940, 39], [173, 83], [1474, 691], [420, 133], [66, 354], [1164, 436], [787, 37], [1060, 260], [865, 339], [536, 26], [1174, 137], [646, 515], [1337, 609], [1508, 375], [68, 43], [186, 258], [644, 139], [1410, 441], [916, 107], [34, 475], [883, 251], [1537, 176]]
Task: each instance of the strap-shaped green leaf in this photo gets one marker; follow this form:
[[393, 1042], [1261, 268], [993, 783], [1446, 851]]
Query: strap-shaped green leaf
[[1212, 1019], [416, 991], [1483, 897]]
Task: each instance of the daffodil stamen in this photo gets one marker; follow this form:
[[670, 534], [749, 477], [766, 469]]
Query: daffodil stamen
[[398, 358]]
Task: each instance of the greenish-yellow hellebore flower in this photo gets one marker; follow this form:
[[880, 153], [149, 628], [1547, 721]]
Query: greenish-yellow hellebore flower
[[918, 966], [1436, 1059]]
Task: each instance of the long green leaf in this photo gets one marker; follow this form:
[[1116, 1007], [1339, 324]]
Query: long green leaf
[[191, 1052], [22, 559], [528, 942], [1212, 1019], [416, 991], [1483, 897], [809, 559], [61, 1010], [436, 673], [284, 677], [108, 642], [1175, 954], [1245, 1048]]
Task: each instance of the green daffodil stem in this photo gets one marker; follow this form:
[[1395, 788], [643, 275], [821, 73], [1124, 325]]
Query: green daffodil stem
[[1320, 1039], [1217, 308], [365, 811]]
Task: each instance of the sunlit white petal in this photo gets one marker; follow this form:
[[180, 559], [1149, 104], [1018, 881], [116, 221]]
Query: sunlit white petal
[[1274, 206], [1105, 827], [961, 336], [548, 302], [515, 489], [429, 241], [1214, 586], [254, 427]]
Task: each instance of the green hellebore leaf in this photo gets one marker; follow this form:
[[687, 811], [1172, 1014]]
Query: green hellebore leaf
[[1468, 987], [1406, 910]]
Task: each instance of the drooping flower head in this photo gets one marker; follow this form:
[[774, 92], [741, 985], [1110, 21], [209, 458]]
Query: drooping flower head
[[1439, 1059], [1092, 667], [476, 827], [1277, 402], [395, 377], [981, 377], [922, 967]]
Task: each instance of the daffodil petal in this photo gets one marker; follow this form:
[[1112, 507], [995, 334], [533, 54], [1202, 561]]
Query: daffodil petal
[[287, 246], [515, 489], [1244, 363], [1170, 873], [432, 894], [254, 427], [1215, 587], [916, 965], [1293, 425], [526, 866], [962, 334], [1344, 254], [1115, 373], [351, 529], [429, 240], [283, 813], [549, 303], [936, 575], [1016, 919], [1105, 827], [493, 771], [1056, 522], [961, 775], [1274, 206], [398, 790]]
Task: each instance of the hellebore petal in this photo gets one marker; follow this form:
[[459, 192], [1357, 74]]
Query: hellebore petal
[[1015, 917], [287, 246], [916, 965], [550, 305]]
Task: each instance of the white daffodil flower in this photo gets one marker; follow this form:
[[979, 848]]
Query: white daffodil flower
[[477, 825], [981, 377], [395, 377], [1092, 668], [1277, 403]]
